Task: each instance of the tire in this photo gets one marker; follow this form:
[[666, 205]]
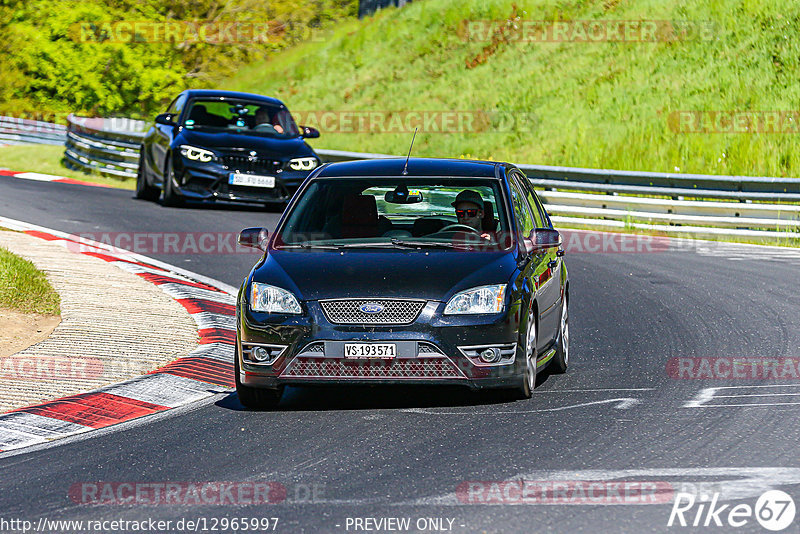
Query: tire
[[255, 398], [143, 190], [524, 389], [561, 359], [171, 198]]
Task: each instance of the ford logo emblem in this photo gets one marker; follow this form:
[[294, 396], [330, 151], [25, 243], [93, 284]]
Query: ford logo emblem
[[371, 307]]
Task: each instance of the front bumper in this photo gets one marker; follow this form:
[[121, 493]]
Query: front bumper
[[434, 349], [209, 181]]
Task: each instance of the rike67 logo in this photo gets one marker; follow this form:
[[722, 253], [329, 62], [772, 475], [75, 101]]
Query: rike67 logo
[[774, 510]]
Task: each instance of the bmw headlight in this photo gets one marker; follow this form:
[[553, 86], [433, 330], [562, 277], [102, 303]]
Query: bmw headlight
[[271, 299], [197, 154], [303, 164], [483, 299]]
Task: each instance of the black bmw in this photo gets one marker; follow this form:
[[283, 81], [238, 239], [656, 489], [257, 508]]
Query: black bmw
[[447, 271], [224, 145]]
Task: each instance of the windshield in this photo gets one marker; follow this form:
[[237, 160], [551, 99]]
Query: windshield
[[398, 212], [240, 116]]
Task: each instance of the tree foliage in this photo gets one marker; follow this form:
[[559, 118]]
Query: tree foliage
[[62, 56]]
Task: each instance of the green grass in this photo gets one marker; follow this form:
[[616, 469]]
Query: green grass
[[602, 105], [25, 288], [46, 159]]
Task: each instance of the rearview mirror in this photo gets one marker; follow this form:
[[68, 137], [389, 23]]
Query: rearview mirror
[[254, 237], [541, 239], [308, 132], [165, 119], [402, 195]]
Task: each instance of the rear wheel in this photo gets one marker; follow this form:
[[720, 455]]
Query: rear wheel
[[171, 198], [528, 382], [561, 359], [143, 190], [255, 398]]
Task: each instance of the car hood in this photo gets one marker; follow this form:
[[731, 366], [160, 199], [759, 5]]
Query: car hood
[[295, 147], [437, 275]]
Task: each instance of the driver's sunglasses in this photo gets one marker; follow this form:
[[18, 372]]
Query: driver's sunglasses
[[467, 213]]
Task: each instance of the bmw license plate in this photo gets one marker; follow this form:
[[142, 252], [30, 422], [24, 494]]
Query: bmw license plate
[[359, 351], [251, 180]]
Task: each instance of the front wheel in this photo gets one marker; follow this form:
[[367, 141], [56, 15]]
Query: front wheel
[[143, 190], [255, 398], [171, 198], [528, 382], [561, 359]]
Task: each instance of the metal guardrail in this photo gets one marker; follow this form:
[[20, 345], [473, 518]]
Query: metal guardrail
[[16, 131], [107, 146], [605, 199], [691, 204]]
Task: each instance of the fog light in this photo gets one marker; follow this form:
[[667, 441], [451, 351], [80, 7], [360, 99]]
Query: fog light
[[490, 355], [260, 354]]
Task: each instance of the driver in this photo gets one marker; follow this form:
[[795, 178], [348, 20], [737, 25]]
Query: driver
[[262, 117], [469, 210]]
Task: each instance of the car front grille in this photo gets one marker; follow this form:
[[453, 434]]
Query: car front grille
[[391, 311], [247, 164], [399, 368]]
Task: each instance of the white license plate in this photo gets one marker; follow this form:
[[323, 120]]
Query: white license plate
[[251, 180], [384, 351]]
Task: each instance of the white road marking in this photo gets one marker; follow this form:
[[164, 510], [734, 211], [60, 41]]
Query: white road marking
[[732, 483], [624, 403], [164, 390], [39, 177], [706, 395], [592, 390]]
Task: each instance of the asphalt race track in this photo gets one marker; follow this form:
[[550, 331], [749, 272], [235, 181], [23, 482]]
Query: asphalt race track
[[347, 454]]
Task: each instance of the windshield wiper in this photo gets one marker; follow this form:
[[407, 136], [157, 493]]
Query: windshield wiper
[[310, 246], [431, 244]]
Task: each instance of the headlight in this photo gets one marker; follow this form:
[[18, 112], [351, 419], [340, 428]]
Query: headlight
[[303, 164], [271, 299], [196, 154], [483, 299]]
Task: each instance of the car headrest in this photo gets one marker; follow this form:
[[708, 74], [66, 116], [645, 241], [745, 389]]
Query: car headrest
[[359, 216], [488, 222], [199, 112]]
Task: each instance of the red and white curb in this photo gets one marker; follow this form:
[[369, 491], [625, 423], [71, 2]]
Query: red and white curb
[[39, 177], [205, 372]]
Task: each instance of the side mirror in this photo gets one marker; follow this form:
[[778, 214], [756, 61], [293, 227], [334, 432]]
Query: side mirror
[[166, 119], [541, 239], [254, 237], [307, 132]]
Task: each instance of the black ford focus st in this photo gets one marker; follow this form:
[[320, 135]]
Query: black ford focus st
[[441, 271], [224, 145]]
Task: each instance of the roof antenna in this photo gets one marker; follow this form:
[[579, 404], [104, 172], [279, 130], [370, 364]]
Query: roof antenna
[[405, 167]]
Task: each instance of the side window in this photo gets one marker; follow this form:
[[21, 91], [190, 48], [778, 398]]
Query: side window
[[539, 213], [521, 211], [177, 105]]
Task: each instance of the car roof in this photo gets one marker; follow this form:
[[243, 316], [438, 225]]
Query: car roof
[[391, 167], [205, 93]]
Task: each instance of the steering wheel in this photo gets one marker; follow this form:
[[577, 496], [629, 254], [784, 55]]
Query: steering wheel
[[458, 227], [265, 126]]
